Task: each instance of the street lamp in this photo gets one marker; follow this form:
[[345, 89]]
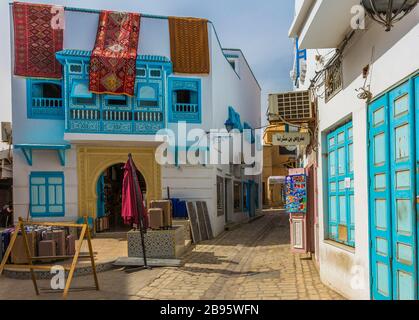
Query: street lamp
[[387, 12]]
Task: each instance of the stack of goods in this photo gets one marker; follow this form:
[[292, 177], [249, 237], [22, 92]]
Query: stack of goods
[[179, 208], [156, 218], [166, 206], [5, 240], [53, 242], [102, 224]]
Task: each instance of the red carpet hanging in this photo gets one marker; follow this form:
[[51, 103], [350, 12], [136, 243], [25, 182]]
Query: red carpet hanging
[[38, 35], [113, 60]]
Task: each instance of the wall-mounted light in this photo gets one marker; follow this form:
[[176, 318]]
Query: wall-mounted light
[[387, 12]]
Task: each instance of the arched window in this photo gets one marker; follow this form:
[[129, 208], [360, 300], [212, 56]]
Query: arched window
[[147, 96]]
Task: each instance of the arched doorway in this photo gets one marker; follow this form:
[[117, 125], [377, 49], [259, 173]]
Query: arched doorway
[[109, 196]]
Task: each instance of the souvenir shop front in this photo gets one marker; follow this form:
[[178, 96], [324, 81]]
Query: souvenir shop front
[[301, 206], [109, 201]]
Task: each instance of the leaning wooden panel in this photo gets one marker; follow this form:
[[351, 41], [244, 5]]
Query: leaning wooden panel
[[193, 218], [201, 221]]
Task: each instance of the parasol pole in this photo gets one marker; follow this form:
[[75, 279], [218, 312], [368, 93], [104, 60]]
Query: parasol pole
[[139, 207]]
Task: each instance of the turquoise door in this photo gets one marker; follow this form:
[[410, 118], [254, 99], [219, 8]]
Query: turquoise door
[[416, 89], [100, 189], [392, 161]]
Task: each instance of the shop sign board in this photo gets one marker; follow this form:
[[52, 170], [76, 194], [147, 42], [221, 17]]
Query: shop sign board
[[288, 139]]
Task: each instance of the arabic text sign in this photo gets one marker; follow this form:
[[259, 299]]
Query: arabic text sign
[[286, 139]]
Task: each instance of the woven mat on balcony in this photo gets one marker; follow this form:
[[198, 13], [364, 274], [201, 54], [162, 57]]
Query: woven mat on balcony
[[189, 45], [35, 41], [112, 63]]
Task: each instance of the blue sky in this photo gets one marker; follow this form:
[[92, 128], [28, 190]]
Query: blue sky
[[259, 28]]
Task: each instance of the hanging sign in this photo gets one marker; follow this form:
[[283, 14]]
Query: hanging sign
[[276, 180], [287, 139], [296, 194]]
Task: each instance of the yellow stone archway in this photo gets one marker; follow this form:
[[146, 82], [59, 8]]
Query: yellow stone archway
[[93, 160]]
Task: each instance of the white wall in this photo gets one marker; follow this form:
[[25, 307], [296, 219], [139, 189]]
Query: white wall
[[44, 161], [396, 57], [220, 89]]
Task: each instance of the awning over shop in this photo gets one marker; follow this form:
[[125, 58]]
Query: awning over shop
[[28, 148]]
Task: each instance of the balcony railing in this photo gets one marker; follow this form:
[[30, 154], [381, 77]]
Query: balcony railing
[[115, 122], [185, 107], [188, 112], [52, 107]]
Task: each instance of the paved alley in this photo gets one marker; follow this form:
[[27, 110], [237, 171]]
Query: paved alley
[[250, 262]]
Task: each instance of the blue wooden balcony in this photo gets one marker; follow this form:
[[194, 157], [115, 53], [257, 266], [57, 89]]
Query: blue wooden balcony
[[47, 107], [114, 122], [188, 112]]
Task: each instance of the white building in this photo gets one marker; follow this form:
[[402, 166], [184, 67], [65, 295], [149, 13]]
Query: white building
[[368, 183], [77, 150]]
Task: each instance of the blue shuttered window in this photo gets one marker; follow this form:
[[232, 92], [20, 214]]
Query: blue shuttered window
[[185, 100], [47, 194], [44, 99], [341, 220]]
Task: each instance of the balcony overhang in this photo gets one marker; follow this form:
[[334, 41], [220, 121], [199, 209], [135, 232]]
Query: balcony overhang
[[28, 148], [300, 17], [323, 24], [115, 139]]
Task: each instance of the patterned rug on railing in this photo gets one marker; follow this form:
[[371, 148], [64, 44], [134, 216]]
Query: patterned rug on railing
[[112, 64], [38, 35]]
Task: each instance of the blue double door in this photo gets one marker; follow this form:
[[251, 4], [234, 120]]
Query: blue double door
[[394, 190]]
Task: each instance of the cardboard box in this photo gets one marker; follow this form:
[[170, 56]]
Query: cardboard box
[[19, 252], [47, 248], [166, 206], [59, 237], [155, 216], [71, 245]]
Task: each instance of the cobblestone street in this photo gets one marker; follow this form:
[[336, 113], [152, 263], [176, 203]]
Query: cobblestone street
[[251, 262]]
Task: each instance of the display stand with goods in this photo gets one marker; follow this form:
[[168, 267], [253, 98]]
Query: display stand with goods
[[21, 229]]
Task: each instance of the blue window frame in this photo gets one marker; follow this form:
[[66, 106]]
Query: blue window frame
[[148, 95], [116, 100], [44, 99], [80, 93], [47, 198], [155, 73], [185, 100], [75, 68], [341, 220]]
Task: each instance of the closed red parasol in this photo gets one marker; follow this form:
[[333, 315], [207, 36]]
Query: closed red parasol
[[133, 210]]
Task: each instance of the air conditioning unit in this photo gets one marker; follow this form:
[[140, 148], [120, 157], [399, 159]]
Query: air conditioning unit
[[292, 106], [6, 132]]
